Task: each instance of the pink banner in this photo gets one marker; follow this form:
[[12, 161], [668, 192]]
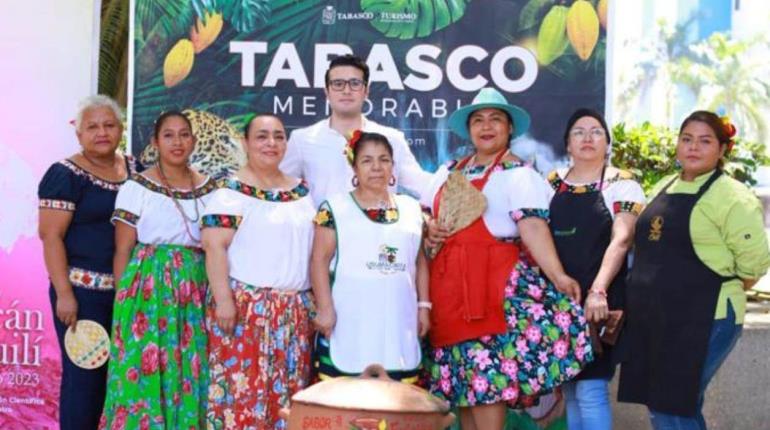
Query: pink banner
[[41, 84]]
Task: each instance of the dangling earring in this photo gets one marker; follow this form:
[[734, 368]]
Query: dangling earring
[[354, 181], [677, 164], [392, 181]]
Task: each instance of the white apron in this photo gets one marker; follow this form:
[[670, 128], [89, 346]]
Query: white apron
[[374, 288]]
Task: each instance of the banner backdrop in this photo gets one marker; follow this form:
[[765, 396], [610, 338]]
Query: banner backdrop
[[230, 58], [48, 57]]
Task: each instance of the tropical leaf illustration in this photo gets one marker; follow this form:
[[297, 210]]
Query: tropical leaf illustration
[[530, 14], [246, 15], [407, 19]]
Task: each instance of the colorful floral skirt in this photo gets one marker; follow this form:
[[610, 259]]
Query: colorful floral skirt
[[546, 345], [256, 370], [158, 372]]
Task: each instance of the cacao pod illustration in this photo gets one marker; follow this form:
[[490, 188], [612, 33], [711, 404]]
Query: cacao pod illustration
[[602, 9], [583, 28], [552, 37], [178, 62], [203, 35]]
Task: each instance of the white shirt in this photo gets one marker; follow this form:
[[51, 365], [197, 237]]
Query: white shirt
[[148, 207], [274, 233], [316, 153], [513, 191]]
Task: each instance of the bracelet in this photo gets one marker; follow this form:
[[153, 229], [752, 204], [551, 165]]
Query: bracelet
[[598, 292], [424, 305]]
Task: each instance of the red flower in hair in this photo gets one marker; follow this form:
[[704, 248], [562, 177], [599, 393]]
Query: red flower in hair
[[351, 146], [730, 131]]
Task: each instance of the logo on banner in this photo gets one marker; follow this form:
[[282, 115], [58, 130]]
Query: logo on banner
[[386, 261], [329, 15]]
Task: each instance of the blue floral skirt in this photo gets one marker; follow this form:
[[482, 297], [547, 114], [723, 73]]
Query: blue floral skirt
[[546, 345]]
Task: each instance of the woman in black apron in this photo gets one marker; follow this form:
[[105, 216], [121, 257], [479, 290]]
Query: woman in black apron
[[698, 243], [593, 212]]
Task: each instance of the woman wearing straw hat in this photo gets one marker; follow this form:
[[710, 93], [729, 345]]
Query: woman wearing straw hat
[[500, 332]]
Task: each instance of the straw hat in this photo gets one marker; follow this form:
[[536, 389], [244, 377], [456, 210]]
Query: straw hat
[[489, 98]]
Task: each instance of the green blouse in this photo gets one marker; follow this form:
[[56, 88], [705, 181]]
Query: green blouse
[[728, 233]]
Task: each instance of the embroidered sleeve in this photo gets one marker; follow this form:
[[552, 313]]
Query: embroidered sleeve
[[58, 189], [324, 217], [128, 203], [124, 216], [522, 213], [634, 208], [223, 221]]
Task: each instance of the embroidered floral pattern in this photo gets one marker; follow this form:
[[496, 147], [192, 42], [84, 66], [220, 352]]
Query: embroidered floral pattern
[[296, 193], [125, 216], [62, 205], [547, 344], [267, 353], [158, 369], [225, 221], [99, 182], [324, 218], [627, 206], [478, 169], [91, 280], [561, 186], [207, 187], [530, 212], [382, 216]]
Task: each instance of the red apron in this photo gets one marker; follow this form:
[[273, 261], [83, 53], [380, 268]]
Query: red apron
[[468, 277]]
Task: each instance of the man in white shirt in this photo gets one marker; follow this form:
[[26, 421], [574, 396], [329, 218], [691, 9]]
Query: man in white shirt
[[316, 152]]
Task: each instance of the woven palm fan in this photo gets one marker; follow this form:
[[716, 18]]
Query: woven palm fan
[[460, 205]]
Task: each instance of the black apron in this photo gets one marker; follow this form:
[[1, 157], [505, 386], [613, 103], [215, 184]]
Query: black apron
[[671, 299], [581, 225]]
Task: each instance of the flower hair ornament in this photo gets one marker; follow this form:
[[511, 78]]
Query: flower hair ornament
[[730, 131], [350, 147]]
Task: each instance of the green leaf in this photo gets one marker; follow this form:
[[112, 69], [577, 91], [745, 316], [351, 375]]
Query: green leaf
[[530, 13], [509, 351], [245, 15], [408, 19], [500, 381]]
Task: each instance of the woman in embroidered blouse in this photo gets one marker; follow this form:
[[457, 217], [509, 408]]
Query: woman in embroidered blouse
[[698, 244], [77, 196], [500, 332], [593, 211], [158, 366], [368, 272], [257, 232]]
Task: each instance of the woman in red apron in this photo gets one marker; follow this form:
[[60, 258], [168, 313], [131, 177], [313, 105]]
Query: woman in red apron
[[500, 332], [698, 244], [593, 212]]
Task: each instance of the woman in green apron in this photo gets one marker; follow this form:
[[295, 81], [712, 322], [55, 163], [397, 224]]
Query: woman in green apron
[[699, 243]]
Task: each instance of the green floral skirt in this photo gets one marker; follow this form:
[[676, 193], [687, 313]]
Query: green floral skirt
[[158, 368]]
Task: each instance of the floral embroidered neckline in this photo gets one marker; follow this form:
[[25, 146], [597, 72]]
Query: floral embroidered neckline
[[472, 170], [208, 186], [561, 186], [296, 193], [99, 182], [379, 215]]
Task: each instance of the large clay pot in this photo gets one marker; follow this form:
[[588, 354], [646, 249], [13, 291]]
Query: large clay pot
[[370, 402]]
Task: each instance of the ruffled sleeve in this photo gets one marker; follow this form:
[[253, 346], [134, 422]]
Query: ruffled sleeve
[[324, 216], [59, 189], [529, 194], [128, 204], [224, 209]]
